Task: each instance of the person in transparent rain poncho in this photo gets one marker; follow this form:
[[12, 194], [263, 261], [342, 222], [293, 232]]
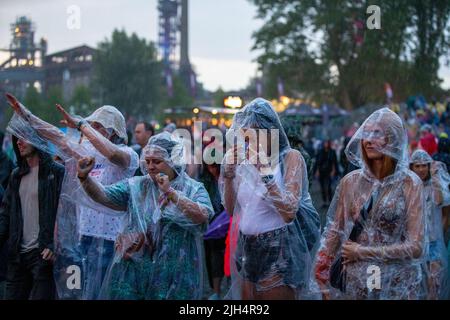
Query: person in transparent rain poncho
[[159, 255], [436, 183], [275, 227], [85, 231], [373, 243]]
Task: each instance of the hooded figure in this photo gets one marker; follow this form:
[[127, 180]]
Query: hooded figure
[[436, 183], [27, 222], [86, 231], [275, 227], [159, 254], [111, 118], [373, 244]]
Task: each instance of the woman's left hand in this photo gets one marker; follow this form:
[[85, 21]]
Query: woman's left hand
[[350, 252]]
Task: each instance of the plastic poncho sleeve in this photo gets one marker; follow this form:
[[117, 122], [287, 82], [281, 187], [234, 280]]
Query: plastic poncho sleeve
[[179, 213], [287, 201], [98, 193], [333, 236], [38, 132], [118, 193], [440, 180]]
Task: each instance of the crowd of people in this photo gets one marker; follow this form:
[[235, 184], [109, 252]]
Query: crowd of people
[[86, 214]]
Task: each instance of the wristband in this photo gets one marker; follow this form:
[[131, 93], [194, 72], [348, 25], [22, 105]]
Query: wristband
[[82, 179], [80, 123]]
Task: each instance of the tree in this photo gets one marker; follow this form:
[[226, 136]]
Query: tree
[[180, 97], [33, 100], [81, 101], [48, 112], [323, 49], [219, 95], [129, 74]]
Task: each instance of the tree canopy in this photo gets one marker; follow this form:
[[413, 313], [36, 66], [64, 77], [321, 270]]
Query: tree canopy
[[323, 49]]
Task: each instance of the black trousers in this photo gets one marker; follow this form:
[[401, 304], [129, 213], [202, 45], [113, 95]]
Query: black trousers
[[214, 256], [30, 277], [325, 187]]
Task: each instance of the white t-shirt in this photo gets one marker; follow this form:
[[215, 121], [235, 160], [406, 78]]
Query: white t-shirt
[[258, 214], [29, 201], [97, 223]]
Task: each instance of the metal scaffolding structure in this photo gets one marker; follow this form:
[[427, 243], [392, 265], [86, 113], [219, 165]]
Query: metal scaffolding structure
[[169, 26], [24, 64]]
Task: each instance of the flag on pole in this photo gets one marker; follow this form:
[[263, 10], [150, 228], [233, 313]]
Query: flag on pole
[[280, 87], [389, 92], [169, 83], [193, 83], [259, 89]]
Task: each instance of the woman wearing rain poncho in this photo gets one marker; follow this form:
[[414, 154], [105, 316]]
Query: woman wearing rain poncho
[[85, 231], [275, 226], [159, 255], [373, 244], [436, 183]]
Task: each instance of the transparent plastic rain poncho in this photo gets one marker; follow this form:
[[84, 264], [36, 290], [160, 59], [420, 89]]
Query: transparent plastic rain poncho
[[159, 254], [275, 229], [437, 196], [388, 252], [110, 117], [85, 231]]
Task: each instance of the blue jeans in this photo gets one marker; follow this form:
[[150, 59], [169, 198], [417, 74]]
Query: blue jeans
[[97, 255]]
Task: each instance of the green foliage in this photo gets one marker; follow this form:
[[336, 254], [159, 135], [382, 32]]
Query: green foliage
[[129, 74], [312, 45], [181, 96], [218, 97], [81, 101]]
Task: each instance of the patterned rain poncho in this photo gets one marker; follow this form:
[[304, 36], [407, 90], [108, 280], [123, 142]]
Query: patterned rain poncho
[[389, 213], [85, 231], [275, 227], [437, 196], [160, 255]]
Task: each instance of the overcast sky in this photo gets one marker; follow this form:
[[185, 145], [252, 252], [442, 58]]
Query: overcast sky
[[220, 31]]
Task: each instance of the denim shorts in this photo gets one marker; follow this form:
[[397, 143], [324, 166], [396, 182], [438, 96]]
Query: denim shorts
[[266, 259]]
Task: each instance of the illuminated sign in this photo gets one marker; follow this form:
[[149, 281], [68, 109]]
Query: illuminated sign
[[233, 102]]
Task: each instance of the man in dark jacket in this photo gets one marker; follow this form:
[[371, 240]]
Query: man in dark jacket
[[347, 166], [27, 221], [326, 168]]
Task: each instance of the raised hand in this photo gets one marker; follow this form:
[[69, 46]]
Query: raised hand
[[163, 182], [69, 120], [15, 104], [85, 166]]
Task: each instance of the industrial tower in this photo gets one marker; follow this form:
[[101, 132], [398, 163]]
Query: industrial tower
[[174, 35], [24, 64]]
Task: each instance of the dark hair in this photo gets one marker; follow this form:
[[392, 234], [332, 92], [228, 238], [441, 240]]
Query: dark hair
[[116, 139], [429, 168], [444, 145], [147, 127]]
